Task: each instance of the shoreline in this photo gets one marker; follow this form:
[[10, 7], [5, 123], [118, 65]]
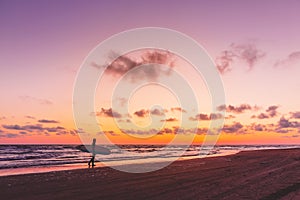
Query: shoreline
[[99, 164], [263, 174]]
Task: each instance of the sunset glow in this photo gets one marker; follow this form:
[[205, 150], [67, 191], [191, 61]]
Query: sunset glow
[[258, 62]]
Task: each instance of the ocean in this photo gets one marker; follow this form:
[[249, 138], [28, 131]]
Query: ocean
[[21, 159]]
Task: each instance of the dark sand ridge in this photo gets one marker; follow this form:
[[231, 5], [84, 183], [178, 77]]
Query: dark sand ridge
[[264, 174]]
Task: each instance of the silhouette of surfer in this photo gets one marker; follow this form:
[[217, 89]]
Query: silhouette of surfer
[[92, 161]]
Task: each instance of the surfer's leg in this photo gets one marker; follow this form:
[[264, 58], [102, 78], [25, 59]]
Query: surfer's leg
[[93, 161], [90, 161]]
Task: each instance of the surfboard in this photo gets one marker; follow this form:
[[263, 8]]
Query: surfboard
[[98, 149]]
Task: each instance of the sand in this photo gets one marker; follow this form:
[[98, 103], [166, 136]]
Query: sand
[[265, 174]]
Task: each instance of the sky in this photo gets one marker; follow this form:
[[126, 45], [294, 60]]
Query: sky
[[254, 44]]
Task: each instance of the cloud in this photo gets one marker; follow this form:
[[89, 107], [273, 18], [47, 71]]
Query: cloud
[[278, 130], [271, 111], [262, 116], [124, 121], [27, 98], [236, 109], [221, 107], [108, 113], [248, 53], [39, 128], [124, 63], [171, 119], [197, 131], [178, 109], [233, 128], [34, 127], [167, 131], [200, 117], [81, 131], [291, 136], [73, 132], [257, 127], [158, 112], [200, 131], [292, 59], [112, 133], [141, 113], [215, 116], [29, 117], [295, 115], [48, 121], [224, 61], [230, 117], [54, 129], [141, 132], [285, 123], [13, 127], [205, 117], [1, 118], [9, 135]]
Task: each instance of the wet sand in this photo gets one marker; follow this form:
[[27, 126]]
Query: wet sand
[[265, 174]]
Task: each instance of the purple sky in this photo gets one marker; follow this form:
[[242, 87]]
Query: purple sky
[[43, 43]]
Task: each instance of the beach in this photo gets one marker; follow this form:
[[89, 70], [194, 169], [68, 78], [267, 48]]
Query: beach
[[263, 174]]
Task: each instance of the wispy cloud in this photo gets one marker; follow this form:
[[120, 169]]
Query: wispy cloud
[[124, 120], [141, 113], [271, 111], [224, 61], [200, 117], [108, 113], [158, 112], [167, 131], [125, 63], [9, 135], [178, 109], [257, 127], [39, 129], [261, 116], [29, 117], [236, 109], [230, 117], [205, 117], [171, 119], [248, 53], [41, 101], [290, 60], [50, 121], [112, 133]]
